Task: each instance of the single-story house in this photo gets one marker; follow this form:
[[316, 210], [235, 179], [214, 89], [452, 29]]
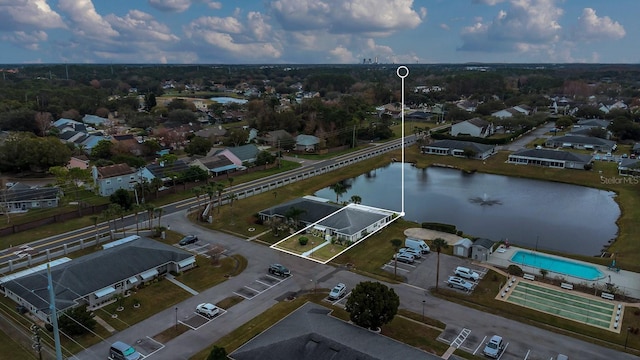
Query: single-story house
[[481, 249], [21, 197], [593, 123], [581, 142], [473, 127], [458, 147], [78, 161], [629, 167], [307, 143], [550, 158], [506, 113], [94, 120], [108, 179], [349, 223], [276, 138], [96, 279], [310, 332], [213, 133], [163, 171], [239, 155], [462, 247], [216, 164]]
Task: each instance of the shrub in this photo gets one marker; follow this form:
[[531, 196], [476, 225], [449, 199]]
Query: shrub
[[515, 270], [448, 228], [303, 240]]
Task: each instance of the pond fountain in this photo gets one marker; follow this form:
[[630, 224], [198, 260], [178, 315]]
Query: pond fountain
[[485, 201]]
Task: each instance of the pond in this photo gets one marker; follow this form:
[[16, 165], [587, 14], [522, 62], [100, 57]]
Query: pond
[[534, 213]]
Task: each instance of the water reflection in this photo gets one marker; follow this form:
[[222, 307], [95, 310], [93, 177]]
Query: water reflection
[[568, 218]]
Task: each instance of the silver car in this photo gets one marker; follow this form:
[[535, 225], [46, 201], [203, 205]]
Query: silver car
[[459, 283]]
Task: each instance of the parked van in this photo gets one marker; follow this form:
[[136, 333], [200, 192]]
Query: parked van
[[467, 273], [122, 351], [417, 244]]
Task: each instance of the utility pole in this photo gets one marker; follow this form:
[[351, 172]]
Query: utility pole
[[53, 314]]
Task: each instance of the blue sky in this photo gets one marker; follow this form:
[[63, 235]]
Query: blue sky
[[319, 31]]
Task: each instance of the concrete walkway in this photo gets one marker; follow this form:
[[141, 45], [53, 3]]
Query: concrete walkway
[[185, 287], [104, 324]]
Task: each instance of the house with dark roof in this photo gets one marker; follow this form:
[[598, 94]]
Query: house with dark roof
[[276, 138], [506, 113], [349, 223], [96, 279], [473, 127], [108, 179], [550, 158], [310, 332], [95, 120], [581, 142], [127, 143], [629, 167], [21, 197], [482, 248], [458, 148], [216, 164], [163, 171]]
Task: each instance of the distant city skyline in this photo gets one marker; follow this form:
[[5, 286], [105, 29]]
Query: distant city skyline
[[319, 31]]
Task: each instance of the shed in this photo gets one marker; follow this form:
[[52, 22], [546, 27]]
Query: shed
[[481, 249], [462, 247]]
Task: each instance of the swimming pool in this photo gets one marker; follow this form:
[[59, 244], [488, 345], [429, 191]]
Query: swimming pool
[[556, 265]]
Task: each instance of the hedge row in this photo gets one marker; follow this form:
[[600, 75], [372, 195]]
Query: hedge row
[[448, 228]]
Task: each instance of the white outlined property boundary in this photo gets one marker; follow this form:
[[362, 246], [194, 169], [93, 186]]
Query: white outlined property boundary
[[402, 72]]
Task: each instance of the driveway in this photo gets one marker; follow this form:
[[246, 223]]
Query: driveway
[[521, 142]]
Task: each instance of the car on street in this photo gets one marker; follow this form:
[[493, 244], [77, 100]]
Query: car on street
[[466, 273], [416, 254], [189, 239], [494, 347], [459, 283], [405, 258], [279, 269], [208, 310], [338, 291]]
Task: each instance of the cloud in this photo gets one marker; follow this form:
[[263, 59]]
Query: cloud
[[488, 2], [444, 26], [590, 27], [35, 14], [341, 54], [138, 26], [341, 17], [86, 20], [524, 25], [26, 40], [171, 5], [235, 39]]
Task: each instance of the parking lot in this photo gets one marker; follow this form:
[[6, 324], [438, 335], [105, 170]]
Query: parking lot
[[260, 285], [196, 321], [474, 340]]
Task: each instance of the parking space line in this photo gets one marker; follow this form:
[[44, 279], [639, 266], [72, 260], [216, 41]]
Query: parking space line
[[264, 283], [342, 298], [461, 337], [399, 268], [187, 325], [156, 350], [481, 343], [503, 351], [526, 356], [244, 296]]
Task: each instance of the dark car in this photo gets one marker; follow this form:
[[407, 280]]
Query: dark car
[[278, 269], [189, 239]]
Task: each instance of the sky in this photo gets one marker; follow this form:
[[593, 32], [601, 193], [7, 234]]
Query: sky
[[319, 31]]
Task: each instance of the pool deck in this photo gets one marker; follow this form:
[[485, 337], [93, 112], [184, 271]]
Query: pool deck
[[627, 281]]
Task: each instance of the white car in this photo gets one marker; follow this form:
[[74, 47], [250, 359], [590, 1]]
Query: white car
[[467, 273], [208, 310], [459, 283], [494, 347], [338, 291]]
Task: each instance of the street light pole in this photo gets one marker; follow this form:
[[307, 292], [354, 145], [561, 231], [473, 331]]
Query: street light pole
[[423, 302], [176, 318], [626, 338]]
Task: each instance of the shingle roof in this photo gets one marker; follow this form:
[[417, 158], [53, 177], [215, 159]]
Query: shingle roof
[[244, 152], [114, 170], [306, 140], [478, 122], [461, 145], [216, 161], [311, 333], [485, 243], [350, 221], [90, 273], [21, 192], [313, 210], [581, 140], [554, 155], [163, 170]]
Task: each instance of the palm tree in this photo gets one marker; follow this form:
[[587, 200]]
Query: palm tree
[[220, 190], [293, 214], [136, 210], [397, 243], [339, 188], [159, 211], [197, 191], [149, 207], [439, 244], [155, 185], [356, 199]]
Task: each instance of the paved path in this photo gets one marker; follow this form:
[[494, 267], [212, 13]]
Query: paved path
[[185, 287]]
